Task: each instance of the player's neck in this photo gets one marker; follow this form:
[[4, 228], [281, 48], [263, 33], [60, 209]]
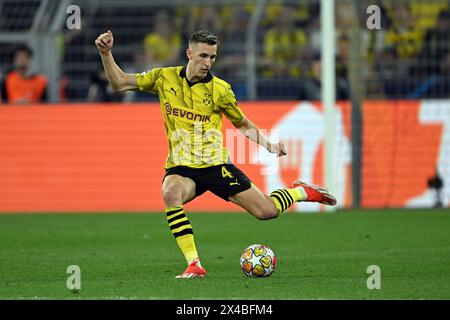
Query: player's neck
[[191, 76]]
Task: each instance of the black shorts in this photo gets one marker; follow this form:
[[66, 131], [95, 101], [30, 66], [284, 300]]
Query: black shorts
[[224, 180]]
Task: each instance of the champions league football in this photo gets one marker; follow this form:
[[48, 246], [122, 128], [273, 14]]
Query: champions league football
[[258, 261]]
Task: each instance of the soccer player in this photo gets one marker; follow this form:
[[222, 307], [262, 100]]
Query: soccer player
[[192, 104]]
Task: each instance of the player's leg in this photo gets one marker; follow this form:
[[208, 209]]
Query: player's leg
[[255, 202], [178, 190], [268, 207], [263, 207]]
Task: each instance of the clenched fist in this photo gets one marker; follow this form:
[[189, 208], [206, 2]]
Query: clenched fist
[[104, 42], [277, 148]]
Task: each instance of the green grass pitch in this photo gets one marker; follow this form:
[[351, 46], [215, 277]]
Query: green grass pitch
[[319, 256]]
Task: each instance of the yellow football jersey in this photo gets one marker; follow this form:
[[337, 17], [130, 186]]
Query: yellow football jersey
[[192, 114]]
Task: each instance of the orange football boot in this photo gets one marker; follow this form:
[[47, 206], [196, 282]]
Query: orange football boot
[[316, 194], [193, 271]]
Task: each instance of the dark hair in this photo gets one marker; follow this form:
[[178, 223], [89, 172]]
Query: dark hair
[[23, 48], [204, 36]]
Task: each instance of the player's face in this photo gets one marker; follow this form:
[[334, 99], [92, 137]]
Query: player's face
[[201, 57]]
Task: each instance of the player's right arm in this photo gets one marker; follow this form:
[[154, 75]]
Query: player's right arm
[[119, 80]]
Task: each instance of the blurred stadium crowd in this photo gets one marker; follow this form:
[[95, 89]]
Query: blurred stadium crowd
[[408, 58]]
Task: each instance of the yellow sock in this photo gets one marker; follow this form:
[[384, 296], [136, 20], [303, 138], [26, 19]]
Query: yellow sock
[[284, 198], [182, 231]]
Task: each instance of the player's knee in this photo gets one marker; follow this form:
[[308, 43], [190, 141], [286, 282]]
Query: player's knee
[[172, 195], [266, 213]]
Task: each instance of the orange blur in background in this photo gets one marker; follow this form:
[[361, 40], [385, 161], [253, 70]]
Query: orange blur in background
[[110, 158], [93, 158]]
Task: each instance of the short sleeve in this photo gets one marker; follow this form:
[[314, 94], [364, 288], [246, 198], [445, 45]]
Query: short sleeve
[[230, 107], [147, 81]]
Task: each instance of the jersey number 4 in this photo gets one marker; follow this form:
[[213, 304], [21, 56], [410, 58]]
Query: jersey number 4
[[226, 173]]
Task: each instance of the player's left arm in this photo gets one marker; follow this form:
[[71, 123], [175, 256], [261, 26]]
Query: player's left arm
[[233, 112], [252, 132]]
